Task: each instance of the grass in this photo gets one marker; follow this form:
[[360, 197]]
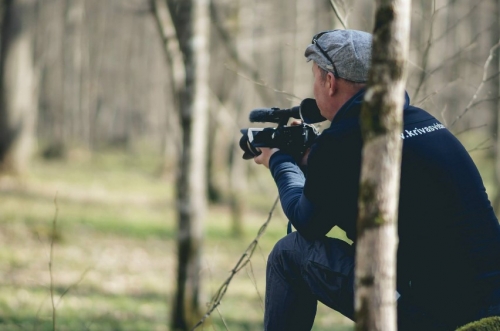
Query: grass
[[114, 250], [114, 253]]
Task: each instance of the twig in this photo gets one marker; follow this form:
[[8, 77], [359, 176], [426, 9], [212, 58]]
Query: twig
[[469, 129], [479, 148], [460, 20], [252, 277], [242, 262], [425, 56], [337, 13], [52, 239], [443, 114], [263, 84], [228, 42], [222, 318], [484, 100], [473, 43], [35, 322], [480, 87], [82, 276]]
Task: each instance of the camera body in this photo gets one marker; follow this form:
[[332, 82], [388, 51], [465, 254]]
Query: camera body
[[293, 140]]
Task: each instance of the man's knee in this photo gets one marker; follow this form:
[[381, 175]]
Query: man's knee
[[291, 242], [287, 255], [287, 242]]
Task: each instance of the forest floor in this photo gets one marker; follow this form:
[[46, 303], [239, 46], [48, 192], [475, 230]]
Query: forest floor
[[113, 251]]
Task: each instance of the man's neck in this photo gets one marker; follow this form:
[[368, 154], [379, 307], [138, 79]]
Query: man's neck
[[344, 93]]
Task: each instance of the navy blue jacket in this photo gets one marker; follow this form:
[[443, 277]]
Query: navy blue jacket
[[449, 236]]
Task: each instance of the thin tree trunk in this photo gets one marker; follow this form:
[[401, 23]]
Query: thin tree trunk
[[496, 110], [177, 74], [304, 30], [192, 25], [379, 187], [245, 96], [18, 93], [73, 64]]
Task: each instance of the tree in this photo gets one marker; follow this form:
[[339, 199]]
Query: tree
[[381, 122], [18, 93], [192, 21], [496, 110]]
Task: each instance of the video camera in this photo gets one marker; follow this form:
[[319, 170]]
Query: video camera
[[294, 140]]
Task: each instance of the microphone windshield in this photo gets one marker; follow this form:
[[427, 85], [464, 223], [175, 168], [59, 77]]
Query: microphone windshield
[[309, 112], [260, 115]]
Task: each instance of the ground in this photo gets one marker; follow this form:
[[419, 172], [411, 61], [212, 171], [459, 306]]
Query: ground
[[113, 251]]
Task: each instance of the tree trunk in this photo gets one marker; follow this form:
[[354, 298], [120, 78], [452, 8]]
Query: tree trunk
[[379, 187], [18, 93], [192, 26], [177, 75], [73, 66], [243, 101], [304, 30], [496, 111]]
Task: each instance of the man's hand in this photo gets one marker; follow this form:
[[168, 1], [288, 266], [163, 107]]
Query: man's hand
[[264, 157]]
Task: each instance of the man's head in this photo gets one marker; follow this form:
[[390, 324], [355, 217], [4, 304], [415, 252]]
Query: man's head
[[345, 53], [341, 62]]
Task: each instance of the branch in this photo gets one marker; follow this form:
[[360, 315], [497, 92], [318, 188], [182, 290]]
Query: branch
[[480, 87], [253, 279], [264, 84], [435, 92], [432, 41], [469, 129], [454, 25], [471, 45], [242, 262], [223, 320], [425, 56], [484, 100], [173, 53], [82, 277], [337, 13], [233, 52], [52, 239], [479, 146]]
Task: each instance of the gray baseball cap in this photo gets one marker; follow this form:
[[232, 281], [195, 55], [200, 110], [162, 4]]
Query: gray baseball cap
[[346, 53]]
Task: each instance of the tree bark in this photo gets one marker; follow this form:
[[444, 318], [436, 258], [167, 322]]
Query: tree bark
[[496, 112], [192, 29], [18, 93], [177, 74], [379, 186], [304, 30], [73, 67]]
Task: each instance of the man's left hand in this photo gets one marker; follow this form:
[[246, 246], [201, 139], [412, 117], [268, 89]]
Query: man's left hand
[[264, 157]]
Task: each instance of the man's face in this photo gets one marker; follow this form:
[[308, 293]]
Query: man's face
[[320, 89]]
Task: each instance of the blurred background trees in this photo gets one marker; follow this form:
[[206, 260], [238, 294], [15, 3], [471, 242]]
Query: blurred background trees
[[99, 78], [81, 78]]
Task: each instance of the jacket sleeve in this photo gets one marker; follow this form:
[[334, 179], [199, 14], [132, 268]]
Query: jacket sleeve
[[290, 181], [329, 195]]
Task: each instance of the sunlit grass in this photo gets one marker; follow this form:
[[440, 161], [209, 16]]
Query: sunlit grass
[[114, 249]]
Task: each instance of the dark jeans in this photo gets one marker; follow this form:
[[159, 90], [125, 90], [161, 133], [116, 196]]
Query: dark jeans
[[301, 272]]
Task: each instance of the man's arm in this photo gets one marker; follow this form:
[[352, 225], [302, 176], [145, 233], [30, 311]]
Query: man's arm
[[290, 181]]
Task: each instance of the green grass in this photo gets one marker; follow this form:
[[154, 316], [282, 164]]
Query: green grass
[[114, 248], [114, 252]]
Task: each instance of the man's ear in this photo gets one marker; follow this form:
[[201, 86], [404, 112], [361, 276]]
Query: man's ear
[[331, 83]]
